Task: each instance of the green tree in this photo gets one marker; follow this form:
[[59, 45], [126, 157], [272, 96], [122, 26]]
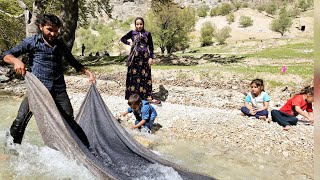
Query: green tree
[[283, 23], [11, 25], [207, 31], [70, 12], [101, 40], [225, 9], [223, 34], [169, 25], [245, 21], [271, 8]]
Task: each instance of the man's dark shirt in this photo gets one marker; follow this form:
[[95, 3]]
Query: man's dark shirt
[[45, 61]]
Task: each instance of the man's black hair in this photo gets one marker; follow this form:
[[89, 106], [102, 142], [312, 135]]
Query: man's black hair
[[50, 19]]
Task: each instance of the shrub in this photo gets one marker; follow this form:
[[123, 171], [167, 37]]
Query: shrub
[[230, 18], [245, 21], [202, 11], [271, 9], [293, 11], [207, 32], [223, 34], [214, 11], [305, 4], [225, 9], [261, 8], [237, 5], [245, 5]]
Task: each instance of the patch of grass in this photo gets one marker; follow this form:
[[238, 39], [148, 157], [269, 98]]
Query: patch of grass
[[299, 50], [304, 70], [274, 84], [221, 49], [182, 75]]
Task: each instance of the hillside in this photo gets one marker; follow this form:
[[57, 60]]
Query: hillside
[[258, 35]]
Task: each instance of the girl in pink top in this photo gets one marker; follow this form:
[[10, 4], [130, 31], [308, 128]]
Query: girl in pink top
[[299, 104]]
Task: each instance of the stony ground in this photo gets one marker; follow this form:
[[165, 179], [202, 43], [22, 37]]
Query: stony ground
[[205, 108]]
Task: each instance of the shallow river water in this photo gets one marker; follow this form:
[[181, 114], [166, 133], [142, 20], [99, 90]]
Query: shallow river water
[[36, 161]]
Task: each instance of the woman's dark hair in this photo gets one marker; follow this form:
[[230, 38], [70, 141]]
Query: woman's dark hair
[[139, 18], [258, 82], [134, 99], [49, 19], [307, 90]]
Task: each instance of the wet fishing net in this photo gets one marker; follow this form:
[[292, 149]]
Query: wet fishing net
[[116, 154]]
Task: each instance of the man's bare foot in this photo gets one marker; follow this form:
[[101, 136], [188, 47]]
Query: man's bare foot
[[264, 118], [286, 128], [242, 114]]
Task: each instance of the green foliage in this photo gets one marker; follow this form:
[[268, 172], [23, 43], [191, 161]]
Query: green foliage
[[230, 18], [237, 4], [245, 4], [12, 7], [261, 7], [12, 29], [223, 34], [271, 8], [170, 25], [126, 24], [282, 23], [300, 50], [214, 11], [245, 21], [207, 31], [225, 9], [293, 11], [202, 11], [88, 8], [305, 4], [99, 39]]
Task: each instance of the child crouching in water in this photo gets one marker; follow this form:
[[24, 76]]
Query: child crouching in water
[[286, 116], [143, 111], [257, 101]]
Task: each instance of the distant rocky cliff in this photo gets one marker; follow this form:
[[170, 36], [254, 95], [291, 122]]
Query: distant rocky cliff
[[124, 9]]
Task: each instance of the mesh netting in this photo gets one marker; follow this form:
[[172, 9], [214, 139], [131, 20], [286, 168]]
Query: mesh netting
[[117, 155]]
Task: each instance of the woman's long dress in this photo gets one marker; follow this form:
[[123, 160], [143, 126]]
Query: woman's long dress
[[139, 71]]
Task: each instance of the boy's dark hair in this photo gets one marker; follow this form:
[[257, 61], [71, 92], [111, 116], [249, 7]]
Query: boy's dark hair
[[134, 99], [307, 90], [258, 82], [49, 19]]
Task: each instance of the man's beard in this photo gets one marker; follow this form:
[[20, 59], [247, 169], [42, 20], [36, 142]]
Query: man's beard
[[49, 39]]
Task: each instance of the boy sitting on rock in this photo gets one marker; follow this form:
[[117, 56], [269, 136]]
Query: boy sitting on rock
[[143, 111]]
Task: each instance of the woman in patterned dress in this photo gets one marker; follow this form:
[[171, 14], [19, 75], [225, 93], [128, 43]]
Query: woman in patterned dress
[[139, 63]]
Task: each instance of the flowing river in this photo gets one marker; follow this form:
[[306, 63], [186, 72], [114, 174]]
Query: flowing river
[[37, 161]]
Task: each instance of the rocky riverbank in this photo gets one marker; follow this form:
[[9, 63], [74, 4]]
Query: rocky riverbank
[[205, 108]]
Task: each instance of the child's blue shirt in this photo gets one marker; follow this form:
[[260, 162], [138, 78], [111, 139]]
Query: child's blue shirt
[[147, 112]]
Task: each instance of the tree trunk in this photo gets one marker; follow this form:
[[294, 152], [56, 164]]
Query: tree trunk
[[162, 49], [69, 16], [30, 18]]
